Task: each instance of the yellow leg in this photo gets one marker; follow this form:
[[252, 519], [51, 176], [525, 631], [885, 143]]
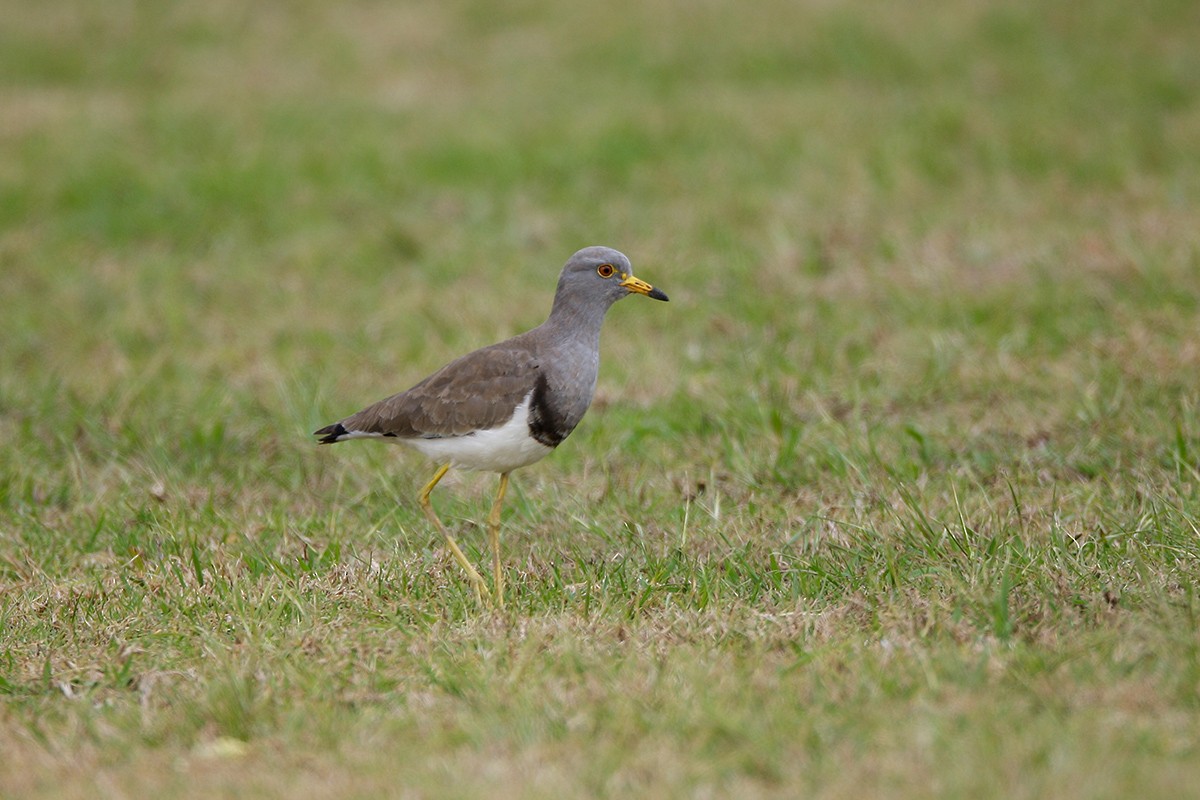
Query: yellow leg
[[494, 535], [473, 576]]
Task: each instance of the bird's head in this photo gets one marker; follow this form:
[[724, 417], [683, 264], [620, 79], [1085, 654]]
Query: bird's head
[[603, 276]]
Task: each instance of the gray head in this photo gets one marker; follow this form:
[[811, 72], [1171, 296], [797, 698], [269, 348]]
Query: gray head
[[595, 278]]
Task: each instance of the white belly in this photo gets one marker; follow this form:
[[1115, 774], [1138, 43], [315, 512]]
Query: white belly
[[500, 449]]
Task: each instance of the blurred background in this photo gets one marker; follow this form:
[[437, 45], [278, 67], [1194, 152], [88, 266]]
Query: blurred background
[[899, 490], [938, 235], [219, 199], [947, 230]]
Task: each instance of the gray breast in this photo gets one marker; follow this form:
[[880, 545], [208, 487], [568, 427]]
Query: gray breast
[[563, 389]]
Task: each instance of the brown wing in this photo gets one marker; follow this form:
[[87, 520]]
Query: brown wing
[[475, 392]]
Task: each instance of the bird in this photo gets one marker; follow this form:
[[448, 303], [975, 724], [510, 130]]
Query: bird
[[508, 405]]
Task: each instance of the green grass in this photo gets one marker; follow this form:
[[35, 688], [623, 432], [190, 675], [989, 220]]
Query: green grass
[[899, 496]]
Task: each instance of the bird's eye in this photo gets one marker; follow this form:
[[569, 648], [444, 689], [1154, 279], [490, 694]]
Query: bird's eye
[[605, 270]]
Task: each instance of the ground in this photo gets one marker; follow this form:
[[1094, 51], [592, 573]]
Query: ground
[[898, 496]]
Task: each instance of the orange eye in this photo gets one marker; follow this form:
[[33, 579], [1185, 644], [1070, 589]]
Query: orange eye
[[605, 270]]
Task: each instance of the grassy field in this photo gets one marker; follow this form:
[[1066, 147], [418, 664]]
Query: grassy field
[[899, 496]]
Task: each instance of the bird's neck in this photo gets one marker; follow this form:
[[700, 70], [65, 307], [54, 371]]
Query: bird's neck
[[571, 319]]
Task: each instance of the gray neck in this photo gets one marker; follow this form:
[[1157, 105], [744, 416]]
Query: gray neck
[[573, 319], [571, 339]]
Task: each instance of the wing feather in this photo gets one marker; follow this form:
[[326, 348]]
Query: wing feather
[[478, 391]]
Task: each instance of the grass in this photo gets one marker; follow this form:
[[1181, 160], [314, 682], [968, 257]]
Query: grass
[[898, 496]]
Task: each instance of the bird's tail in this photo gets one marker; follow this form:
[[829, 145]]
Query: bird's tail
[[331, 433]]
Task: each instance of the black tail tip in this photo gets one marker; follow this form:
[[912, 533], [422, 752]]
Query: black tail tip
[[330, 433]]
